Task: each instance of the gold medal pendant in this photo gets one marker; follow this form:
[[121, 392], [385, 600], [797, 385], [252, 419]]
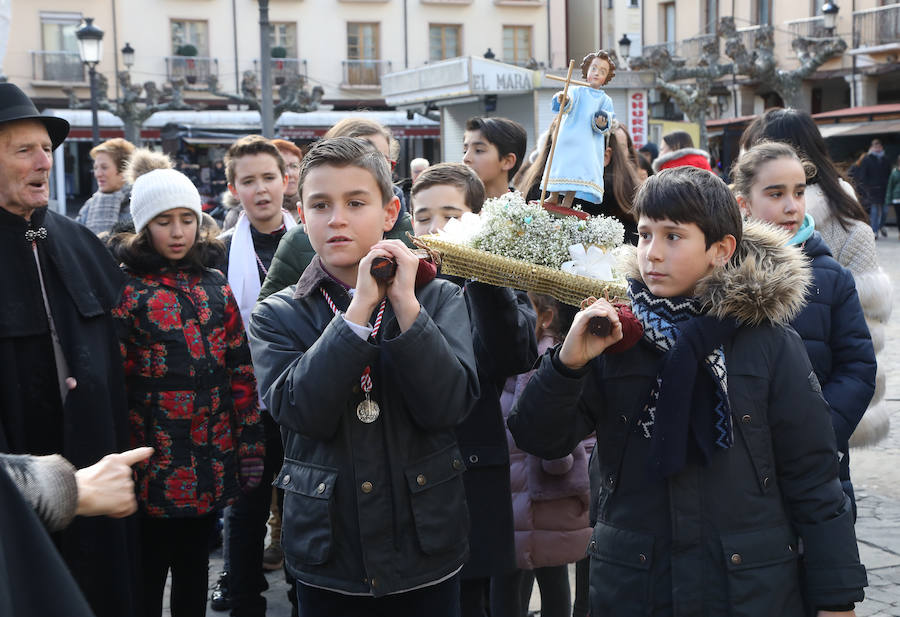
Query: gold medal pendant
[[367, 411]]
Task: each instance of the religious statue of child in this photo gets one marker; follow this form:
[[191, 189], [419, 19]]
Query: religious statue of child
[[577, 166]]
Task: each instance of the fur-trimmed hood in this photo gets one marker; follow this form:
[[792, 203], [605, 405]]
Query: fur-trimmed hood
[[765, 281], [684, 157]]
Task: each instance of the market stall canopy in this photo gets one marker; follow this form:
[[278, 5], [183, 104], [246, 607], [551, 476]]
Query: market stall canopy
[[225, 120], [870, 120], [80, 121], [82, 117], [224, 126], [313, 124], [457, 78]]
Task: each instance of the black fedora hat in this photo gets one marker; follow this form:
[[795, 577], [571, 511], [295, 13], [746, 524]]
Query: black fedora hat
[[15, 105]]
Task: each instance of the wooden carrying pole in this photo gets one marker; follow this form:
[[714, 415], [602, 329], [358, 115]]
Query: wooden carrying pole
[[559, 114]]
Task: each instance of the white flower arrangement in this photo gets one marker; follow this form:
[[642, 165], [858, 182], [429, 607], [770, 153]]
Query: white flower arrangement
[[511, 227]]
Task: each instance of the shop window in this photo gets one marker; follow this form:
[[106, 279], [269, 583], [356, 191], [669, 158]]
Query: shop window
[[187, 32], [443, 41], [58, 59], [517, 45]]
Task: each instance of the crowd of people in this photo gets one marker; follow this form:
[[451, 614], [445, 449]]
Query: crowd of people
[[436, 445]]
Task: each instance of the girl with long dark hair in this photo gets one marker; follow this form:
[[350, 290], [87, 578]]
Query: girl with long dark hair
[[844, 226]]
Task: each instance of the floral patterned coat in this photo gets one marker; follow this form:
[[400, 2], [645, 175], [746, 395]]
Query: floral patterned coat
[[191, 389]]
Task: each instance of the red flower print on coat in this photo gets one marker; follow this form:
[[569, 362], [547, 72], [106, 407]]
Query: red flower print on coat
[[162, 458], [204, 502], [164, 310], [179, 404], [219, 470], [158, 365], [201, 304], [217, 345], [194, 339], [200, 426], [128, 301], [222, 438], [215, 399], [181, 485]]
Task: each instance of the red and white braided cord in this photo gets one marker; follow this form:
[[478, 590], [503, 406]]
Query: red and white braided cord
[[378, 317]]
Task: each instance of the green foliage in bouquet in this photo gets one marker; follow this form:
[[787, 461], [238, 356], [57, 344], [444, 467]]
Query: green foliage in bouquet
[[519, 230]]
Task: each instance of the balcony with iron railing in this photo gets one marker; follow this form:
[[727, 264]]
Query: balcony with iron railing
[[193, 69], [671, 46], [878, 26], [747, 35], [808, 28], [364, 73], [284, 69], [61, 66], [692, 49]]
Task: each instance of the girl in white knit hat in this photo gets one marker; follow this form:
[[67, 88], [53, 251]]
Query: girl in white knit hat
[[190, 383]]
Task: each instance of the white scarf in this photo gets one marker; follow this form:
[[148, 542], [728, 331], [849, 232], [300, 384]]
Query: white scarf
[[243, 271]]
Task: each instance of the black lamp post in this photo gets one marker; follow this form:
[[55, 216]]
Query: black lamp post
[[90, 48], [625, 47], [128, 56], [829, 15]]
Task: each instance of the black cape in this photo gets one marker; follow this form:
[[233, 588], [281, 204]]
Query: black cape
[[83, 284], [33, 578]]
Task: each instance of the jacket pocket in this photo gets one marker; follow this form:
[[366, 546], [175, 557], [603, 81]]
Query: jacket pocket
[[307, 521], [763, 576], [620, 571], [438, 500]]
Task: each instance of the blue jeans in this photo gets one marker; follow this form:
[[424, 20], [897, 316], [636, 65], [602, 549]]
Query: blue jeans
[[877, 216], [441, 600]]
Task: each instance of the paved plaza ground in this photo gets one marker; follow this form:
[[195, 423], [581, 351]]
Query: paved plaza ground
[[876, 477]]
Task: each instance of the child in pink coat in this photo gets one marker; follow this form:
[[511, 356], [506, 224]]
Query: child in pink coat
[[551, 498]]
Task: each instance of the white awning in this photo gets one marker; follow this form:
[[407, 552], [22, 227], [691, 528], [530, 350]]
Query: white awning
[[82, 117], [455, 78], [846, 129], [219, 119], [330, 118], [833, 130]]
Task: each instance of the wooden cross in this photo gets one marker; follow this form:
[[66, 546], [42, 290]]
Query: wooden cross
[[568, 80]]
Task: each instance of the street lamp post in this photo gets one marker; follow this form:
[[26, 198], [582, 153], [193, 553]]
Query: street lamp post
[[625, 48], [90, 48], [128, 56], [829, 15]]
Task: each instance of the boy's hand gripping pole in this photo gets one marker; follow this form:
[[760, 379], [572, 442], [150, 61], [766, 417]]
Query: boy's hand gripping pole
[[556, 130]]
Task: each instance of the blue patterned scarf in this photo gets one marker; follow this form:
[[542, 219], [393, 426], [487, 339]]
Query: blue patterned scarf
[[688, 414]]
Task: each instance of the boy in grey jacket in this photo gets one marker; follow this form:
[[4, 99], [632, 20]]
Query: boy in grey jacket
[[367, 379]]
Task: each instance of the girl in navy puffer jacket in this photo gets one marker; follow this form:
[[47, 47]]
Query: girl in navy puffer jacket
[[770, 180]]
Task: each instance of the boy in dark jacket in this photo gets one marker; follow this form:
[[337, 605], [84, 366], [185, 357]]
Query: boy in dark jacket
[[717, 457], [375, 517], [503, 337], [256, 175]]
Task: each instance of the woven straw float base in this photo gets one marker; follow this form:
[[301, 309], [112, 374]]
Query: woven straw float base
[[500, 271]]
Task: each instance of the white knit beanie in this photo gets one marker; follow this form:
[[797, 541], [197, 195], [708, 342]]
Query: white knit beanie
[[159, 190]]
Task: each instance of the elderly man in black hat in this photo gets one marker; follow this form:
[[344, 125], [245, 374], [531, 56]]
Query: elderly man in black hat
[[62, 386]]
